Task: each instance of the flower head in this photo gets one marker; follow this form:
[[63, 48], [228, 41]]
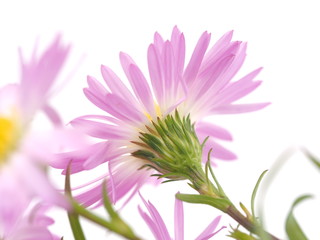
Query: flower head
[[200, 89], [159, 229], [23, 150]]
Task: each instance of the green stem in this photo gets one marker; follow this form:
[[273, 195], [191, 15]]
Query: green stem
[[244, 221], [117, 225]]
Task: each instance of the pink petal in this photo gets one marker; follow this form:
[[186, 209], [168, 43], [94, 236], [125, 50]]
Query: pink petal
[[178, 220], [38, 75], [218, 151], [158, 41], [238, 108], [116, 85], [121, 109], [155, 73], [196, 59], [217, 48], [43, 188], [99, 129], [236, 91], [160, 227], [106, 152], [209, 229], [209, 129], [141, 88], [152, 226], [178, 45], [52, 115]]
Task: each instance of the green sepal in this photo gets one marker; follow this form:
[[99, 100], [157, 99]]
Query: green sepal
[[72, 215], [219, 203], [237, 234], [293, 228]]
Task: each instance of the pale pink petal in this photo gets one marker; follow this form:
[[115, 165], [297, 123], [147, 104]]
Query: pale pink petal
[[158, 41], [99, 129], [196, 59], [214, 233], [178, 220], [160, 227], [168, 69], [43, 188], [115, 84], [236, 91], [101, 118], [155, 73], [15, 201], [152, 226], [209, 229], [96, 87], [218, 151], [141, 88], [178, 45], [9, 96], [121, 109], [106, 152], [217, 49], [209, 129], [52, 115], [211, 79], [238, 108], [39, 74]]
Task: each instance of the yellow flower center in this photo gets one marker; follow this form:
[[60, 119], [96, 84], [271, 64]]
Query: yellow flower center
[[8, 137]]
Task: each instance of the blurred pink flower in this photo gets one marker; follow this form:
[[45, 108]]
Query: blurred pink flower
[[201, 89], [31, 225], [159, 229], [24, 151]]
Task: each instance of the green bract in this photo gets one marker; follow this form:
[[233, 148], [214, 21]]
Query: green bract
[[172, 147]]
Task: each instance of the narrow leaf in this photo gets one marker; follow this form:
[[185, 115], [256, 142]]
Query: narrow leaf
[[293, 229], [254, 193], [219, 203], [311, 157], [106, 202], [73, 217]]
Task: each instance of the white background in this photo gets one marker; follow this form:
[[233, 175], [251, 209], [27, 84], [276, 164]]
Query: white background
[[283, 37]]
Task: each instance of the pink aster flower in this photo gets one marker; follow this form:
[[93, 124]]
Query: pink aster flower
[[32, 225], [158, 227], [202, 88], [24, 151]]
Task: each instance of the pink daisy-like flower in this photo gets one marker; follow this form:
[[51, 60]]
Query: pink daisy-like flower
[[201, 88], [24, 151], [159, 229]]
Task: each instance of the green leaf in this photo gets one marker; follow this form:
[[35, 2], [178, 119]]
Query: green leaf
[[219, 203], [293, 229], [106, 202], [311, 157], [73, 217], [254, 193]]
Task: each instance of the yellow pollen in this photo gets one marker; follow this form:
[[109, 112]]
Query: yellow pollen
[[158, 112], [8, 137]]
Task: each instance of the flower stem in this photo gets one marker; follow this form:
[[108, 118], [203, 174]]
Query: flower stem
[[246, 221], [233, 212], [116, 225]]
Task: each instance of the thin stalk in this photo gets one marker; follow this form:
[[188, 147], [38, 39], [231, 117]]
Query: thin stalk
[[247, 223], [120, 228]]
